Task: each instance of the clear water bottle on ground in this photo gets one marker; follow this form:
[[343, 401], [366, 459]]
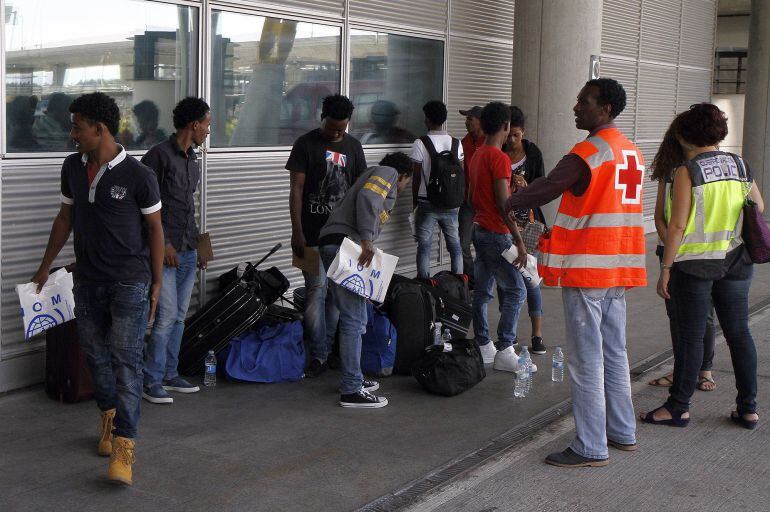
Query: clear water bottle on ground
[[528, 364], [437, 334], [557, 366], [520, 388], [210, 377]]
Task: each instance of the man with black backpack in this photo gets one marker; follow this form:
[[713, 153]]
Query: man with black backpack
[[438, 188]]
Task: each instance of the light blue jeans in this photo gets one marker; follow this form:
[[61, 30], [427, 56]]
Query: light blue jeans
[[352, 316], [162, 353], [489, 267], [321, 315], [426, 216], [601, 385]]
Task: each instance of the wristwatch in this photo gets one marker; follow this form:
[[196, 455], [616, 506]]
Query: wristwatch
[[664, 267]]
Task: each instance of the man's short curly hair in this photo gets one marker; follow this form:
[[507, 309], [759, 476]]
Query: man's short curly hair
[[337, 107], [399, 161], [518, 119], [610, 93], [435, 111], [188, 110], [494, 115], [97, 107]]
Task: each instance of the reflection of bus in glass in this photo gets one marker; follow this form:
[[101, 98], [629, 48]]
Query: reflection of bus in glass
[[301, 106]]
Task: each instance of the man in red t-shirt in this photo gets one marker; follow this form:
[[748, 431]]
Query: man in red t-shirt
[[493, 233], [471, 142]]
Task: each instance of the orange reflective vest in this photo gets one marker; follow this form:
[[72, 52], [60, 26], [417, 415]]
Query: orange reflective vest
[[597, 240]]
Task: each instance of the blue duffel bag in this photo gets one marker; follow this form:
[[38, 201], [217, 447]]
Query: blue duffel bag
[[269, 353], [378, 344]]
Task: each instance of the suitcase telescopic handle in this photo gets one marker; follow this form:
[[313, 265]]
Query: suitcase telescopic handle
[[270, 253]]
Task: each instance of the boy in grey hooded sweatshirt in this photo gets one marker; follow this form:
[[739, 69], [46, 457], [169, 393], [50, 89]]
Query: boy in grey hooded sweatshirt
[[360, 216]]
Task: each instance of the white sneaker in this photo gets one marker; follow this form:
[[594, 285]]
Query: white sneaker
[[506, 360], [488, 353]]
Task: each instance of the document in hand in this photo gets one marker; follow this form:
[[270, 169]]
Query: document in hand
[[529, 272], [371, 282], [54, 305]]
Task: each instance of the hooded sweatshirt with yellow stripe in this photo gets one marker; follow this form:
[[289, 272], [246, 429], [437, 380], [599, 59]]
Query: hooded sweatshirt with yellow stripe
[[366, 206]]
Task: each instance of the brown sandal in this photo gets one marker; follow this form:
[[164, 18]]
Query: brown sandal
[[703, 380], [661, 382]]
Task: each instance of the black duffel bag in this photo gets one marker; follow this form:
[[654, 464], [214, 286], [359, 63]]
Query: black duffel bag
[[451, 372]]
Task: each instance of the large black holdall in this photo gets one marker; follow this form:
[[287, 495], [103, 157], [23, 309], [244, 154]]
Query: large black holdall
[[450, 372], [240, 305], [453, 302], [412, 309]]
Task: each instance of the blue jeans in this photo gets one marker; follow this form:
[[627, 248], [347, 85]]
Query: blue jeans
[[426, 216], [534, 299], [321, 315], [352, 324], [692, 299], [162, 354], [465, 221], [489, 267], [595, 321], [112, 318]]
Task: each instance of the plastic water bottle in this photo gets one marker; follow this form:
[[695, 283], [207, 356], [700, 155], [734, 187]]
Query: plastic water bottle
[[210, 378], [557, 366], [528, 364], [437, 334], [521, 376], [446, 340]]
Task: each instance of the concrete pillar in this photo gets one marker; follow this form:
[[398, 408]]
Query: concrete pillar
[[553, 41], [756, 124]]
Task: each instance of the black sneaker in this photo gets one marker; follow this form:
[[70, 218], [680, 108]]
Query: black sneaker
[[369, 385], [538, 347], [315, 368], [363, 400]]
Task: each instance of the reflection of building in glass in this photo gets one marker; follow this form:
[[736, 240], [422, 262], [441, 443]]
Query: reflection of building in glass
[[155, 65]]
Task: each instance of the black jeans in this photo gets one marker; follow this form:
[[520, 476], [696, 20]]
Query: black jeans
[[709, 338], [692, 298]]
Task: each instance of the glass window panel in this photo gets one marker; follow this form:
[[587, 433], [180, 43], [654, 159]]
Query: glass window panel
[[391, 78], [269, 77], [56, 51]]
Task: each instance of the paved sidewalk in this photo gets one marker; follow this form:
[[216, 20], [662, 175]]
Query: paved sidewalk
[[711, 465]]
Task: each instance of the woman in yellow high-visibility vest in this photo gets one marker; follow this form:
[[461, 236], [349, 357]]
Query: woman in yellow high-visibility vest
[[704, 259]]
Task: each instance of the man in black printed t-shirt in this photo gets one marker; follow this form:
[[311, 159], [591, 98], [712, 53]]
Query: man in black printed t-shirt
[[112, 203], [323, 164]]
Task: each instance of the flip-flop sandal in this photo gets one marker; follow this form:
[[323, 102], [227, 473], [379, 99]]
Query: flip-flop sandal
[[661, 382], [704, 380]]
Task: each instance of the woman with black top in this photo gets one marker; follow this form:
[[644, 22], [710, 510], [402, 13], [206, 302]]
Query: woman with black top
[[526, 165], [704, 259]]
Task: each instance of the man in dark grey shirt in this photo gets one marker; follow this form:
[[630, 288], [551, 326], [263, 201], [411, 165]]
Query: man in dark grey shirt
[[178, 173]]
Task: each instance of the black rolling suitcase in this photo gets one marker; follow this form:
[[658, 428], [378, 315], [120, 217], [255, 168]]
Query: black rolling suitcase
[[241, 304]]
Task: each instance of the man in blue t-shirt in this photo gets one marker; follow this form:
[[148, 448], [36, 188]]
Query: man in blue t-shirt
[[112, 203]]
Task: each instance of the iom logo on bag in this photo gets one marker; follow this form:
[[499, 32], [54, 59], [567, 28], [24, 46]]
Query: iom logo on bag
[[44, 321], [357, 283]]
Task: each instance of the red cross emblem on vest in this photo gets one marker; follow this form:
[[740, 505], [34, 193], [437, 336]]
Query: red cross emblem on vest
[[628, 177]]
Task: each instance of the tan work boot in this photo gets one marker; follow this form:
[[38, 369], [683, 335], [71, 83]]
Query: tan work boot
[[121, 459], [105, 433]]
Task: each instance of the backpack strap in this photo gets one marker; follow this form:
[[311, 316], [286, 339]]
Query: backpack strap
[[455, 148], [433, 155]]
